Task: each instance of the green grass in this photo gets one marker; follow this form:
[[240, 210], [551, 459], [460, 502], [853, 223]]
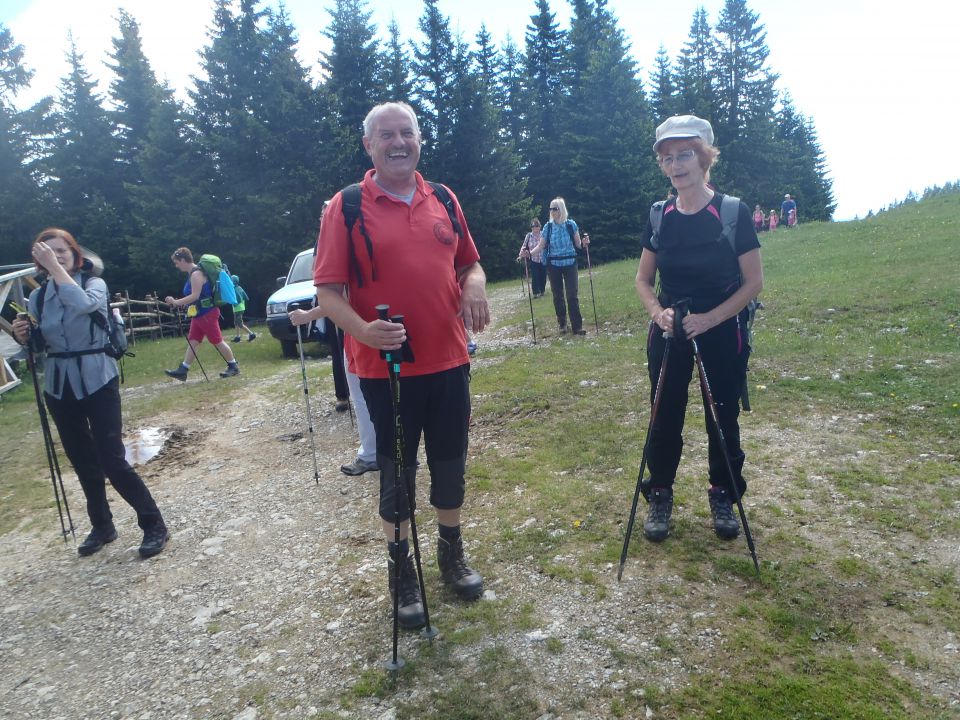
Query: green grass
[[851, 457]]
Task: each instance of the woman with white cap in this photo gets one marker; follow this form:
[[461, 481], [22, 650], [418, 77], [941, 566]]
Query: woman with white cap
[[696, 261]]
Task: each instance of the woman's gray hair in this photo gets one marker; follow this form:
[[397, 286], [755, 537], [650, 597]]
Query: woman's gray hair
[[560, 203], [370, 120]]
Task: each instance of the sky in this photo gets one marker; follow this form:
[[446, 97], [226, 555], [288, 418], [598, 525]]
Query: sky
[[879, 84]]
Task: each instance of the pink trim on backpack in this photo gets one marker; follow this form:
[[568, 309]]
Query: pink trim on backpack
[[669, 208], [714, 212]]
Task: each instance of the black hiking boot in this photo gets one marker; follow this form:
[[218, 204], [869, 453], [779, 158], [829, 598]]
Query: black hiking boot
[[657, 526], [725, 523], [410, 614], [179, 374], [154, 539], [454, 571], [95, 541], [231, 371]]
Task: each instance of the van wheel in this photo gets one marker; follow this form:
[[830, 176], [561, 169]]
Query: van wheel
[[289, 348]]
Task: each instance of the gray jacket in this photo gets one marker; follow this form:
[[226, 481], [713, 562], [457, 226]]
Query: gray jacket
[[66, 327]]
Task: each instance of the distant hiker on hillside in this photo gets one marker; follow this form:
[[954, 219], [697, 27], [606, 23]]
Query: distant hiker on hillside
[[406, 244], [786, 207], [238, 309], [538, 263], [559, 242], [719, 274], [203, 313], [757, 218], [82, 388]]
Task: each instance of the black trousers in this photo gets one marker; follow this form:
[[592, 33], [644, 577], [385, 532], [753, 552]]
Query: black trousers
[[565, 284], [436, 406], [725, 353], [92, 438], [538, 275], [335, 337]]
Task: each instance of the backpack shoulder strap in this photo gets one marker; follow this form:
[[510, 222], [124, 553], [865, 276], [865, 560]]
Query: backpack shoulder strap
[[443, 195], [350, 199], [729, 213], [656, 219], [570, 232]]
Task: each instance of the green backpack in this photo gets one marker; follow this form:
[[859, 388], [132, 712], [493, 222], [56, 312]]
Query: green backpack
[[218, 275]]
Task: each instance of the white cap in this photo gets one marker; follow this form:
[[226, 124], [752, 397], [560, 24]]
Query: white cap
[[684, 126]]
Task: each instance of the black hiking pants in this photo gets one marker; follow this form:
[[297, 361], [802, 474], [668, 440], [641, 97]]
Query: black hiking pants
[[724, 352], [92, 438], [565, 285]]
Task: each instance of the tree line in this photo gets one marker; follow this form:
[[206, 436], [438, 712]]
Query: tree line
[[241, 168]]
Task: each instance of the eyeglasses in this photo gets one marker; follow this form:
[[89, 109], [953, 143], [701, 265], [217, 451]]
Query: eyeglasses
[[554, 209], [683, 156]]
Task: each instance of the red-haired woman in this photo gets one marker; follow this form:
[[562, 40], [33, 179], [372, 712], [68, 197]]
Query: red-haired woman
[[82, 390]]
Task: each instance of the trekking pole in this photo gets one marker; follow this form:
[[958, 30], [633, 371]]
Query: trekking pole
[[394, 358], [56, 478], [712, 405], [533, 323], [593, 298], [646, 446], [306, 399]]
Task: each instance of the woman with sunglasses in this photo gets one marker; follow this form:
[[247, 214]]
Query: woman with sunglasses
[[559, 242], [538, 265], [696, 261]]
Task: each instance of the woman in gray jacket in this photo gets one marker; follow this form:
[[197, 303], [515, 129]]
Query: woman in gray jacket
[[82, 389]]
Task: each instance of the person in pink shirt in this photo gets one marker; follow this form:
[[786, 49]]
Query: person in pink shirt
[[757, 218], [773, 220]]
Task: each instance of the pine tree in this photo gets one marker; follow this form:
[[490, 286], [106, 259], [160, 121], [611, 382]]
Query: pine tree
[[696, 93], [434, 69], [663, 99], [354, 68], [802, 170], [514, 108], [546, 92], [396, 68], [21, 202], [84, 171]]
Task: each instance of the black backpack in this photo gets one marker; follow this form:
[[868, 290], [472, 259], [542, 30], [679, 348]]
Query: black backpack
[[116, 345], [351, 199]]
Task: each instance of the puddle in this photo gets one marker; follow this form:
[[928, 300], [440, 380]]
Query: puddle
[[144, 445]]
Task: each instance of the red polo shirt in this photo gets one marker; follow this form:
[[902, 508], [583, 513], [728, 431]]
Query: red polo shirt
[[415, 256]]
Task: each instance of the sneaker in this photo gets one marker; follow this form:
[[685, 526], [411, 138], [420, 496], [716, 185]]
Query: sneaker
[[153, 540], [250, 338], [657, 526], [410, 614], [95, 541], [455, 572], [359, 467], [563, 329], [230, 371], [236, 339], [342, 405], [725, 523], [579, 331], [180, 373]]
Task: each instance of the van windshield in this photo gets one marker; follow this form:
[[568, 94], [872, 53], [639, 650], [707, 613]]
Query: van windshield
[[302, 269]]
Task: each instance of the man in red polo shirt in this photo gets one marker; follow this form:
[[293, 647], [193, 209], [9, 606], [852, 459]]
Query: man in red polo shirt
[[406, 252]]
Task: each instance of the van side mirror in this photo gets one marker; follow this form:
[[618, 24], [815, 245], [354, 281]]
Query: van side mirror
[[281, 281]]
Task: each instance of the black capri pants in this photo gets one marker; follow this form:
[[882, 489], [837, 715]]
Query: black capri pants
[[436, 407]]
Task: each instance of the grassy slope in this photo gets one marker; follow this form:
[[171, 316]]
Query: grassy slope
[[852, 442]]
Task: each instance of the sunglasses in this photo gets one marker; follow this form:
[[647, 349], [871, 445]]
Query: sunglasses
[[554, 209]]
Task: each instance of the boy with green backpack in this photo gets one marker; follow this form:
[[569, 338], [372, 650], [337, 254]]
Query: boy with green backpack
[[238, 309]]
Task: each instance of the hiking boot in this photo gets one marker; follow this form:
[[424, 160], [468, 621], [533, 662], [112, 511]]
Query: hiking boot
[[342, 405], [579, 331], [230, 371], [250, 338], [410, 613], [236, 339], [455, 572], [657, 525], [725, 523], [179, 374], [359, 467], [95, 541], [563, 329], [153, 540]]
